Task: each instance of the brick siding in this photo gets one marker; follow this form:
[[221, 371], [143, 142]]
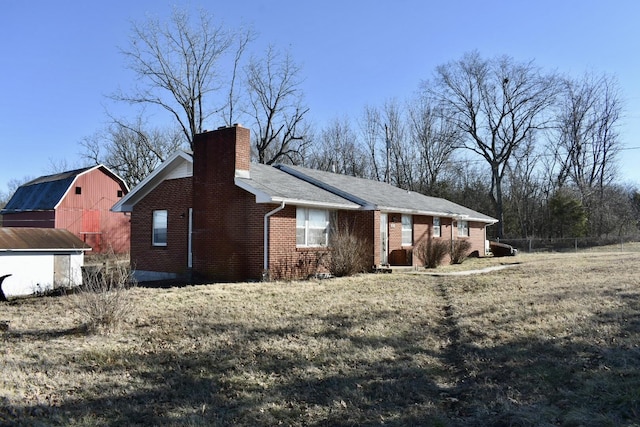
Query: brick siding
[[174, 196]]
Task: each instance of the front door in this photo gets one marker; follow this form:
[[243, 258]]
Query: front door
[[384, 239]]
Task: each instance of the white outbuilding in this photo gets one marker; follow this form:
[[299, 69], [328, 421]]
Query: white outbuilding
[[39, 260]]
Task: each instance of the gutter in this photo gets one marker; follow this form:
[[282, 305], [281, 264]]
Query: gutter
[[266, 236]]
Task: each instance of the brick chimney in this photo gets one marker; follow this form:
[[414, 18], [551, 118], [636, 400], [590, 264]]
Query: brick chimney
[[219, 213], [224, 153]]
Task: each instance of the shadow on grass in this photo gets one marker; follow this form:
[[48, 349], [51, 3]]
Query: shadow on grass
[[546, 380], [46, 334], [518, 383]]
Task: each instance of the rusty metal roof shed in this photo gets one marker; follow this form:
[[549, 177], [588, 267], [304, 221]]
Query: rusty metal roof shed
[[39, 239]]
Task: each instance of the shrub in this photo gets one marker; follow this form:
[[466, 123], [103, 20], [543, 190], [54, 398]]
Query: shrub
[[102, 299], [459, 251], [431, 252], [298, 266], [348, 253]]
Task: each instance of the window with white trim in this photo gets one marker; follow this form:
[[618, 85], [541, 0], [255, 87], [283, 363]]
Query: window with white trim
[[407, 230], [159, 236], [463, 229], [312, 227], [436, 226]]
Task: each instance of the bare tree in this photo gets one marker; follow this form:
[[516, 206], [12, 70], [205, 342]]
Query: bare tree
[[588, 142], [338, 150], [616, 213], [372, 133], [178, 67], [524, 192], [130, 150], [469, 186], [391, 153], [497, 103], [437, 137], [63, 165], [402, 152], [588, 137], [277, 108], [234, 103]]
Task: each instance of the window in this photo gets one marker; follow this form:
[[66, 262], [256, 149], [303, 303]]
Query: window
[[407, 230], [463, 229], [119, 193], [78, 190], [312, 227], [159, 228], [436, 226]]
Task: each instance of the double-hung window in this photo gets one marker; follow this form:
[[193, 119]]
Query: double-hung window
[[407, 230], [436, 226], [159, 237], [312, 227], [463, 229]]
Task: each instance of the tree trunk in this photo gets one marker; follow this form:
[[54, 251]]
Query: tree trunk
[[496, 198]]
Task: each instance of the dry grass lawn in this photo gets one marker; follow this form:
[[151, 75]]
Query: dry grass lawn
[[552, 340]]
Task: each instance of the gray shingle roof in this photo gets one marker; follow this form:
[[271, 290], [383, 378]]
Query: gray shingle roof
[[309, 187], [271, 184], [379, 195]]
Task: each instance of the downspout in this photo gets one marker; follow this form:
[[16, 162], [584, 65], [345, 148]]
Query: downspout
[[485, 240], [452, 220], [266, 239]]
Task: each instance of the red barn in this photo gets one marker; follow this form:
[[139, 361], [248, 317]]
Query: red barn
[[79, 201]]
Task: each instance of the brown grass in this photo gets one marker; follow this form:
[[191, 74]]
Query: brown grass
[[550, 341]]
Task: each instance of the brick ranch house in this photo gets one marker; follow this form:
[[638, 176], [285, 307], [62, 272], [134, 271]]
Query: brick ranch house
[[216, 215]]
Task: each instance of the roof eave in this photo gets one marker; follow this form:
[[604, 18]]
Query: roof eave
[[317, 204], [438, 214], [127, 203], [262, 197], [8, 211], [71, 185]]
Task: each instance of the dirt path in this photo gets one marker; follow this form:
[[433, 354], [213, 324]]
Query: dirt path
[[453, 354], [466, 272]]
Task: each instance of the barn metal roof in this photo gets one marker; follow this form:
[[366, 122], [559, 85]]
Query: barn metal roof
[[44, 193], [38, 239]]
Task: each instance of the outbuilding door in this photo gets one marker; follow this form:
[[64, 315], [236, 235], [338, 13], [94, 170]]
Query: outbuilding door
[[61, 270]]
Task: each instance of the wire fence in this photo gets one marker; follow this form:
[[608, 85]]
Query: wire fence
[[567, 244]]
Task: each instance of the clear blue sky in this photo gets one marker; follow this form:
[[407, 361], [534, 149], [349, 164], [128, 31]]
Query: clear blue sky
[[60, 58]]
